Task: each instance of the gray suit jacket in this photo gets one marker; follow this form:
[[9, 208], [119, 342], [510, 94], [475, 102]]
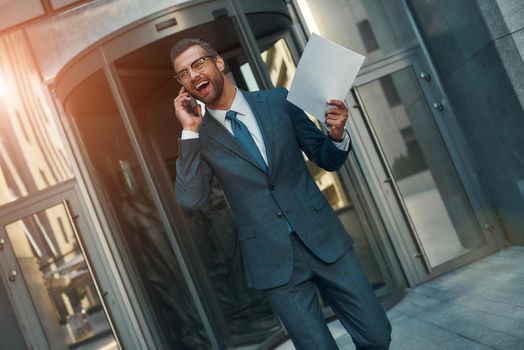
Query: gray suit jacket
[[261, 202]]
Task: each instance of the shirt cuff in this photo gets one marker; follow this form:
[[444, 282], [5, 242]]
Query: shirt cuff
[[344, 144], [188, 134]]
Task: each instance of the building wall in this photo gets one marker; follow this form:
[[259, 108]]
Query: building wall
[[477, 48], [56, 40]]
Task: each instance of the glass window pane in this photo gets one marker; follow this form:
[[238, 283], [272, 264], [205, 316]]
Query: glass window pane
[[140, 231], [55, 272], [374, 28], [421, 166], [32, 156], [280, 64], [281, 68]]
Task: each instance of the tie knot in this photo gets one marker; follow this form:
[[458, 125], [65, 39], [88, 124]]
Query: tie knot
[[231, 115]]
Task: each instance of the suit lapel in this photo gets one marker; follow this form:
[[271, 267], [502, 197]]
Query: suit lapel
[[261, 109], [214, 130]]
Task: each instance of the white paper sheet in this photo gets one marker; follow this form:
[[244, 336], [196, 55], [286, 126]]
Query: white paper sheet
[[326, 71]]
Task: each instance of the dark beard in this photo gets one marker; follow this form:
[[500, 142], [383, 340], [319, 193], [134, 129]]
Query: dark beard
[[219, 86]]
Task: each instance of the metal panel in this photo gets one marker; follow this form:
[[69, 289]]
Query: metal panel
[[460, 152]]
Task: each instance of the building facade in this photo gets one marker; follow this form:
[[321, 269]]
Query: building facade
[[95, 253]]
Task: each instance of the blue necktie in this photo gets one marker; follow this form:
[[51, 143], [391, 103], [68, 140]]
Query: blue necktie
[[243, 136]]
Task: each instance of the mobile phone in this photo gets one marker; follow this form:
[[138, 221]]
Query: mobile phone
[[193, 104]]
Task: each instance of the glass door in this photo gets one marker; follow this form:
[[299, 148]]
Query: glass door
[[420, 178], [49, 277], [280, 55]]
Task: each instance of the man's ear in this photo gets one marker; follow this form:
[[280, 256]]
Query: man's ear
[[220, 63]]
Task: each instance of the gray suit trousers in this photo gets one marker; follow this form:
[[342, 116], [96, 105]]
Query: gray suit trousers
[[344, 287]]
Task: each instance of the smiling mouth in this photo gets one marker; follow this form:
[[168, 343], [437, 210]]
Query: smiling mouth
[[202, 85]]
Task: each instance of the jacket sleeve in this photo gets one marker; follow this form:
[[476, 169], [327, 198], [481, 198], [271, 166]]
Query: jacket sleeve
[[193, 176], [316, 145]]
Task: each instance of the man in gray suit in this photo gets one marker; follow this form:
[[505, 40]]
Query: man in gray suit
[[291, 239]]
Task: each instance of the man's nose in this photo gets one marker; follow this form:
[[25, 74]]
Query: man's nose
[[193, 74]]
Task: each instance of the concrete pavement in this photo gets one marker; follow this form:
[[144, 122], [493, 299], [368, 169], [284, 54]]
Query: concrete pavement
[[479, 306]]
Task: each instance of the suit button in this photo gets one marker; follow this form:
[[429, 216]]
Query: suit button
[[271, 187], [280, 215]]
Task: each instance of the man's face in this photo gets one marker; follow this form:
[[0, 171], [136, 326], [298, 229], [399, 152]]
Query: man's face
[[207, 85]]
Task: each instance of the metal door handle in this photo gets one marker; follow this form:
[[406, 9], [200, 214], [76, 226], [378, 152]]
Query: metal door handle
[[489, 227], [425, 76], [438, 106], [2, 242], [12, 276]]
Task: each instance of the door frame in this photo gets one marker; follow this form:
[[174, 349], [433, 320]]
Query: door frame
[[65, 193], [402, 232]]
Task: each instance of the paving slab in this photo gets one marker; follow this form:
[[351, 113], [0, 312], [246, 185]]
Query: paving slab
[[479, 306]]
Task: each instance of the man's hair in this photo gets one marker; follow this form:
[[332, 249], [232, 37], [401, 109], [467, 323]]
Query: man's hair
[[186, 43]]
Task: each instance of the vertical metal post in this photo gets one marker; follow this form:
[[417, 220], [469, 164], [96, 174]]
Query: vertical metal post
[[297, 38], [72, 220], [299, 24], [250, 45]]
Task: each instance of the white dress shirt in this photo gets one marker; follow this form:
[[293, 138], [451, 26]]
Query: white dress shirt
[[246, 116]]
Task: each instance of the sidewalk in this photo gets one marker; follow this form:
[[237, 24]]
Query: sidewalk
[[479, 306]]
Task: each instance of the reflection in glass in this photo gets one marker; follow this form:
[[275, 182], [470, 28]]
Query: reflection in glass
[[281, 69], [32, 156], [246, 312], [421, 166], [138, 229], [280, 64], [56, 274], [374, 28]]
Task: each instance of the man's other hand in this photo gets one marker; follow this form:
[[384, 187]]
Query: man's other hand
[[336, 116]]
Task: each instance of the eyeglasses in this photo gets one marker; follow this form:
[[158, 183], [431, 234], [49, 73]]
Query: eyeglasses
[[197, 65]]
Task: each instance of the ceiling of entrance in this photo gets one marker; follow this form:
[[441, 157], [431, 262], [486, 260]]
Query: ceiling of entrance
[[147, 71]]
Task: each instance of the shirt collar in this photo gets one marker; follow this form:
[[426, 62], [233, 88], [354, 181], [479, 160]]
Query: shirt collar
[[239, 105]]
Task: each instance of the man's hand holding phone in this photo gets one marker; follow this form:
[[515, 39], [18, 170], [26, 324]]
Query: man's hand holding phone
[[187, 111]]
